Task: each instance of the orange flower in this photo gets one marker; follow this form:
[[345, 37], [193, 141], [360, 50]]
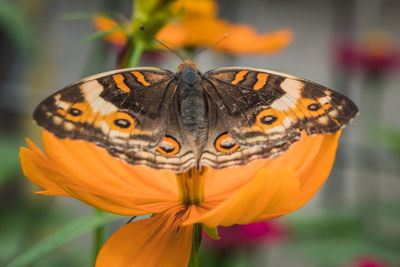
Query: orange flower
[[261, 190], [116, 36], [198, 25]]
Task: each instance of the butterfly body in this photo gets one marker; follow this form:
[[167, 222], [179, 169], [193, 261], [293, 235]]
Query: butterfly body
[[220, 118], [192, 105]]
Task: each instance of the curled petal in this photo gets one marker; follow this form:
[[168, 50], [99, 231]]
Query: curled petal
[[158, 241]]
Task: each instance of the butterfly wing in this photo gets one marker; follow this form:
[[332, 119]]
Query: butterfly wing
[[124, 109], [135, 115], [173, 152], [267, 108], [222, 150]]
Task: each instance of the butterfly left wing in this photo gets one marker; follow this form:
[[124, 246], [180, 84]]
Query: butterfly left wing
[[267, 108], [132, 113], [123, 109]]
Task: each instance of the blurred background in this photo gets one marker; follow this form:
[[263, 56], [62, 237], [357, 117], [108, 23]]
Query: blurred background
[[351, 46]]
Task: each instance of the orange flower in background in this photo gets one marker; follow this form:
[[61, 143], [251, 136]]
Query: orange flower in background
[[200, 26], [116, 36], [261, 190], [197, 25]]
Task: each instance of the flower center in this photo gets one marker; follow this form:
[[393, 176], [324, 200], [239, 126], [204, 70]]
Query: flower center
[[191, 185]]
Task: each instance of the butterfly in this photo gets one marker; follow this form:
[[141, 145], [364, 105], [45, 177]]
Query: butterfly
[[221, 118]]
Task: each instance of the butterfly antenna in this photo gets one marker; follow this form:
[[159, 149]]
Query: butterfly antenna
[[208, 47], [161, 43]]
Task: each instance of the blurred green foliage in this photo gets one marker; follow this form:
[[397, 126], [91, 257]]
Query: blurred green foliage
[[390, 139], [18, 28], [67, 233], [333, 238], [9, 163]]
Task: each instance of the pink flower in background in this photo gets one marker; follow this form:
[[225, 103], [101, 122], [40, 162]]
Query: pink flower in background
[[239, 236], [368, 261], [376, 54]]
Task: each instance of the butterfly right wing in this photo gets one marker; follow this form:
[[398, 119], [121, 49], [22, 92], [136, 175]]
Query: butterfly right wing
[[222, 150], [261, 113], [262, 107]]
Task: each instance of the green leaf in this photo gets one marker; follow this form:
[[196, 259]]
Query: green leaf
[[211, 232], [69, 232]]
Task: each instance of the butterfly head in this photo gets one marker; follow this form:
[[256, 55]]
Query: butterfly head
[[187, 64], [189, 73]]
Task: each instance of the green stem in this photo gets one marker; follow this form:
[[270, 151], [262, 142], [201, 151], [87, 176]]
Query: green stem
[[99, 234], [197, 236], [134, 57]]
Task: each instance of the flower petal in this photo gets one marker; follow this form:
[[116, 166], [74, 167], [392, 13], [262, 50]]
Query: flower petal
[[221, 184], [82, 170], [158, 241], [37, 168], [34, 173], [274, 193], [94, 168], [311, 158], [314, 173]]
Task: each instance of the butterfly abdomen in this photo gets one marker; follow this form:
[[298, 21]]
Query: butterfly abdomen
[[192, 104]]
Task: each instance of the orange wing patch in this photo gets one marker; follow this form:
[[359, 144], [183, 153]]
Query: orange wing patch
[[305, 107], [116, 123], [140, 78], [168, 146], [225, 143], [279, 119], [120, 81], [239, 76], [261, 81], [271, 118], [312, 107], [119, 121], [78, 112]]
